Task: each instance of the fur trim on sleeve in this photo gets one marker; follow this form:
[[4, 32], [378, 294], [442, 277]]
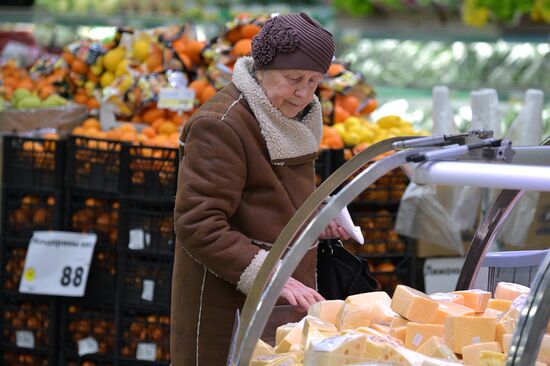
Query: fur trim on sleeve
[[247, 277]]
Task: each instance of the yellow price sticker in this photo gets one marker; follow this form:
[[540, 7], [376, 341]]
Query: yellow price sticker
[[30, 274]]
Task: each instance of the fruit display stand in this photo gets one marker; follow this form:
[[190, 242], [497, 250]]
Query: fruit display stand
[[311, 218]]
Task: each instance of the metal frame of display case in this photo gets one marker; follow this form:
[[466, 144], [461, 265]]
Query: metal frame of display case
[[316, 212]]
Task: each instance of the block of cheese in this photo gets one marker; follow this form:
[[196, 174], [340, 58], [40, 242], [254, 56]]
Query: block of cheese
[[436, 347], [472, 352], [401, 356], [462, 331], [282, 331], [354, 315], [491, 313], [509, 291], [374, 348], [338, 350], [294, 336], [414, 305], [398, 322], [382, 313], [490, 358], [262, 349], [367, 331], [446, 309], [326, 310], [475, 299], [506, 323], [418, 334], [498, 304], [448, 297], [285, 359], [316, 329], [506, 342], [381, 328], [399, 333]]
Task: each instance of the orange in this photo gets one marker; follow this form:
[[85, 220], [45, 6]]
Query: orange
[[180, 45], [340, 114], [92, 103], [80, 98], [186, 60], [26, 84], [46, 91], [234, 34], [152, 114], [157, 123], [349, 102], [79, 66], [79, 131], [194, 50], [370, 106], [113, 135], [91, 123], [127, 127], [242, 47], [335, 70], [249, 30], [154, 61], [128, 136], [149, 132], [207, 93], [168, 128], [198, 85], [68, 57]]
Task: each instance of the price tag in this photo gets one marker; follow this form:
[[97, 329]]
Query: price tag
[[24, 338], [57, 263], [148, 290], [146, 352], [178, 99], [136, 239], [87, 346]]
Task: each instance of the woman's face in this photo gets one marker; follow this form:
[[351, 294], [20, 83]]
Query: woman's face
[[289, 90]]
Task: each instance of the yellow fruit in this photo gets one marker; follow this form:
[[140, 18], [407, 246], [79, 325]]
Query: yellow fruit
[[352, 121], [126, 83], [113, 58], [140, 50], [389, 121], [366, 135], [340, 128], [122, 68], [351, 138], [97, 68], [106, 79], [89, 86]]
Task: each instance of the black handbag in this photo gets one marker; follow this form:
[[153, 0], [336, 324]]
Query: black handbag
[[340, 273]]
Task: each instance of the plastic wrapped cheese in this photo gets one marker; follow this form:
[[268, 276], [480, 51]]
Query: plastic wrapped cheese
[[357, 310], [509, 291], [315, 329], [326, 310], [335, 351], [262, 349]]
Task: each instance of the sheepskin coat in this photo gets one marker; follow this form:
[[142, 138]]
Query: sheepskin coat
[[244, 171]]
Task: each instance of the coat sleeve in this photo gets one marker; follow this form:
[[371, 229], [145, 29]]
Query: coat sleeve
[[211, 178]]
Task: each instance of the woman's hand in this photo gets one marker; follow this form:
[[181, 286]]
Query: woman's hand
[[333, 231], [299, 295]]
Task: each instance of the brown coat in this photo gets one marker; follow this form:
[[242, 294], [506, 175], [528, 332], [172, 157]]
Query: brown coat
[[231, 202]]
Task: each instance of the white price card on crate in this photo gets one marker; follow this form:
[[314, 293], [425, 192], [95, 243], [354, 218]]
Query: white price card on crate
[[148, 292], [87, 346], [146, 351], [24, 338], [57, 263], [182, 99]]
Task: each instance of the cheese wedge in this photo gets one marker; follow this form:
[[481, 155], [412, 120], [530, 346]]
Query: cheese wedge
[[294, 336], [462, 331], [475, 299], [337, 350], [262, 349], [399, 333], [446, 309], [436, 347], [401, 356], [448, 297], [418, 334], [414, 305], [326, 310], [509, 291], [282, 332], [471, 353], [315, 329]]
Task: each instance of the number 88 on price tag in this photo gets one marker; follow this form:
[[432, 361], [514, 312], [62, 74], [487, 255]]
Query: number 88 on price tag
[[57, 263]]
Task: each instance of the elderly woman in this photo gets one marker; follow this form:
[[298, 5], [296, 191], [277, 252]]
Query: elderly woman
[[247, 166]]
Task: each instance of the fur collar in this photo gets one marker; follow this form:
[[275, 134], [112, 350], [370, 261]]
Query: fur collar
[[288, 140]]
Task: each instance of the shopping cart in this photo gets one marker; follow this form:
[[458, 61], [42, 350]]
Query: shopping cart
[[516, 266]]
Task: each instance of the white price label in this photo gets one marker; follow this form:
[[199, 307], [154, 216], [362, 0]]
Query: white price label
[[146, 352], [178, 99], [148, 292], [136, 239], [417, 339], [24, 338], [87, 346], [57, 263], [476, 340]]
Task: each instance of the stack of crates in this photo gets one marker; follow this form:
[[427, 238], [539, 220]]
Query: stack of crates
[[93, 180], [146, 250], [32, 200]]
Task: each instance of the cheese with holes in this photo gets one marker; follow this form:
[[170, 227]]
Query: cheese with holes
[[436, 347], [418, 334], [375, 347], [471, 353], [475, 299], [490, 358], [326, 310], [286, 359], [316, 329], [462, 331], [509, 291], [446, 309], [500, 305], [399, 333], [401, 356], [262, 349], [448, 297], [337, 350], [414, 305]]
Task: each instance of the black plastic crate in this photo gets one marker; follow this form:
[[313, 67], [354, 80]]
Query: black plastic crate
[[33, 163], [146, 282], [27, 211], [387, 190], [147, 227], [150, 172], [94, 164], [392, 272], [29, 328], [13, 262], [328, 161], [378, 231], [144, 336], [24, 358], [88, 361], [90, 325]]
